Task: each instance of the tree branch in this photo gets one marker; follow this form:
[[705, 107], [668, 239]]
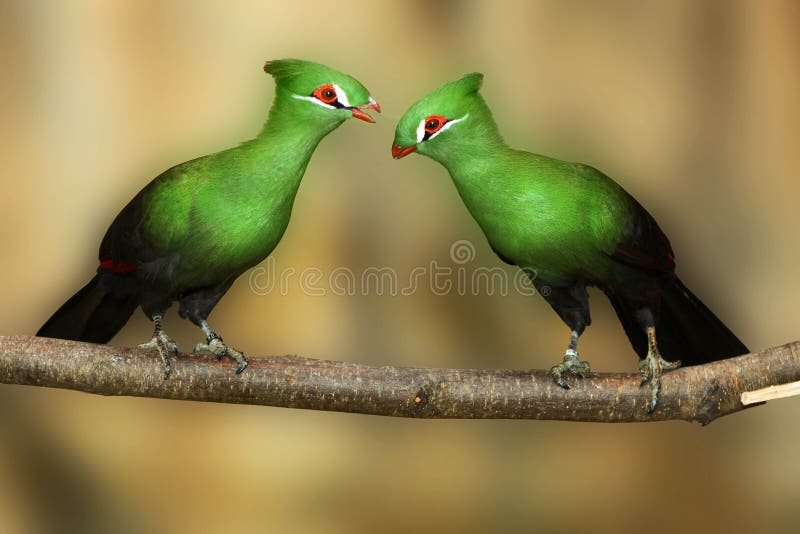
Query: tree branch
[[701, 393]]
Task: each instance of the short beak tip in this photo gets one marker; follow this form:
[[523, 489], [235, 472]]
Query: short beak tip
[[401, 152]]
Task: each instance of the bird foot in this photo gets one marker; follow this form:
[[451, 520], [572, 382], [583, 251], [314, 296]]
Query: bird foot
[[165, 347], [651, 368], [215, 346], [572, 365]]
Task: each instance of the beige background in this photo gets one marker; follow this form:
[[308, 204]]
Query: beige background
[[692, 106]]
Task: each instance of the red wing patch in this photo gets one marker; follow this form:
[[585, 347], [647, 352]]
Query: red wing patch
[[109, 265]]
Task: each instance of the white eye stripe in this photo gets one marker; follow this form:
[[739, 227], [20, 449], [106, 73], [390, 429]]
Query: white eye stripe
[[341, 96], [314, 100], [448, 124]]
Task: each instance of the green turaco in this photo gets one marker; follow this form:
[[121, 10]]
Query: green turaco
[[569, 226], [199, 225]]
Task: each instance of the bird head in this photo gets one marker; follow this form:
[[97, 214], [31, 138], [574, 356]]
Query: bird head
[[322, 92], [444, 120]]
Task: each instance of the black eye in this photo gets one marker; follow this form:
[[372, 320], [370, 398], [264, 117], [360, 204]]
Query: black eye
[[433, 124], [326, 94]]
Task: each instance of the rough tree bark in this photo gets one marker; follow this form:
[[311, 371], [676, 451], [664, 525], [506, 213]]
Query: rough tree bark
[[701, 393]]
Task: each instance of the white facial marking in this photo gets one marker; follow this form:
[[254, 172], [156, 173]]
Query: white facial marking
[[421, 131], [341, 96], [448, 124], [314, 100]]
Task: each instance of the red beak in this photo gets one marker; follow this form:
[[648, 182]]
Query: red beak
[[401, 152], [358, 112]]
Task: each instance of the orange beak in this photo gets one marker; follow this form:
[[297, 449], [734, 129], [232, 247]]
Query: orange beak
[[401, 152], [358, 112]]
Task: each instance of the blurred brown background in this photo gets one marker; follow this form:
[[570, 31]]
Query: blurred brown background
[[692, 106]]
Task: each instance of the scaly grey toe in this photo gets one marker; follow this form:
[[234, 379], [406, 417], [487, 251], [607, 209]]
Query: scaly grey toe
[[217, 347], [166, 348], [573, 365], [651, 369]]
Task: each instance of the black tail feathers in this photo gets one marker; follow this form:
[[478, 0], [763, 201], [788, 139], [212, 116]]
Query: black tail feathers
[[96, 312], [686, 329]]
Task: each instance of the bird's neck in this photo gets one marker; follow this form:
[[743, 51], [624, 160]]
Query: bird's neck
[[290, 135], [470, 159], [478, 142], [477, 166]]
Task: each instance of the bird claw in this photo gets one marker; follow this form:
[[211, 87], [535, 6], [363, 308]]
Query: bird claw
[[165, 347], [206, 347], [572, 365], [219, 349], [651, 369]]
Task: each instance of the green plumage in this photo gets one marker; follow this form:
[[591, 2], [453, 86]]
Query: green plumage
[[221, 214], [562, 219], [570, 226], [195, 228]]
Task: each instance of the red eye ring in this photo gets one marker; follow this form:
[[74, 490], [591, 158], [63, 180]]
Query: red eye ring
[[434, 123], [326, 94]]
